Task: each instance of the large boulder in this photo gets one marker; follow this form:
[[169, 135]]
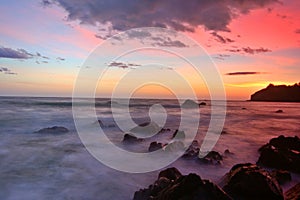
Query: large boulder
[[53, 130], [249, 181], [281, 153], [293, 193], [171, 185]]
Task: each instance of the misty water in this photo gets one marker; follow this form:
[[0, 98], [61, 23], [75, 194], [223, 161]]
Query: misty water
[[57, 166]]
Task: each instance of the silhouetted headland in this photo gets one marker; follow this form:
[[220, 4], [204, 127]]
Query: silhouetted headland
[[279, 93]]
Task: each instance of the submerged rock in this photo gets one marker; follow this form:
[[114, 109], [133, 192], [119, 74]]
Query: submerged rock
[[249, 181], [53, 130], [281, 153], [293, 193], [155, 146], [171, 185]]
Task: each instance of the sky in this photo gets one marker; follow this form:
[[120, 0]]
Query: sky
[[45, 44]]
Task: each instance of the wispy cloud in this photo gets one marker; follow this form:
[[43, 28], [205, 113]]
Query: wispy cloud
[[123, 65], [60, 58], [249, 50], [5, 70], [221, 39]]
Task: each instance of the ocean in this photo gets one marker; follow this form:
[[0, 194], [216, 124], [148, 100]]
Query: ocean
[[58, 166]]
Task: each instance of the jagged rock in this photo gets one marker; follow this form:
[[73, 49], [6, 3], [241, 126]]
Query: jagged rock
[[155, 146], [281, 153], [53, 130], [192, 151], [278, 93], [171, 185], [213, 157], [293, 193], [282, 176], [249, 181]]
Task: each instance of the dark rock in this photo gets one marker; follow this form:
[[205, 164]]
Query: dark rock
[[279, 111], [189, 104], [227, 152], [130, 138], [213, 157], [146, 128], [171, 185], [281, 153], [170, 173], [278, 93], [249, 181], [155, 146], [202, 104], [282, 176], [163, 130], [244, 108], [293, 193], [53, 130]]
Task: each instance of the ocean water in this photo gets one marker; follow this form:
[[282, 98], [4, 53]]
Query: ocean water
[[58, 166]]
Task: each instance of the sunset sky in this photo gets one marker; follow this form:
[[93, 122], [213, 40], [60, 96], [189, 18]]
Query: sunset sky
[[43, 44]]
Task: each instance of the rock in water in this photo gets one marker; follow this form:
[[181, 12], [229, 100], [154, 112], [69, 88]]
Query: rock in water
[[279, 111], [171, 185], [213, 157], [293, 193], [249, 181], [155, 146], [281, 153], [146, 129], [130, 138], [202, 104], [53, 130], [180, 135], [189, 104]]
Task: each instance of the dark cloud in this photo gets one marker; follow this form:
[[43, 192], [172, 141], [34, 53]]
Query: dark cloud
[[123, 65], [249, 50], [221, 39], [180, 15], [242, 73], [5, 70], [168, 42], [60, 58], [6, 52]]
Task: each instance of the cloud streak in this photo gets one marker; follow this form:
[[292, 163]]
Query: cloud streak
[[249, 50], [5, 70], [242, 73], [6, 52], [123, 65]]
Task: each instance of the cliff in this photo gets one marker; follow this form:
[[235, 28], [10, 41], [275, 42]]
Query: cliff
[[282, 93]]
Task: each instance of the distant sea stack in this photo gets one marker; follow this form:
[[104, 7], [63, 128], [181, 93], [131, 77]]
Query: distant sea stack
[[278, 93]]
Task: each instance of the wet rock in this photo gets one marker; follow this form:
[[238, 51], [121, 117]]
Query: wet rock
[[213, 157], [282, 176], [281, 153], [155, 146], [53, 130], [171, 185], [249, 181], [293, 193], [130, 138], [279, 111], [146, 128]]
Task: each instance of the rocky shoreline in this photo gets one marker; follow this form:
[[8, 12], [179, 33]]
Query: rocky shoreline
[[243, 181]]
